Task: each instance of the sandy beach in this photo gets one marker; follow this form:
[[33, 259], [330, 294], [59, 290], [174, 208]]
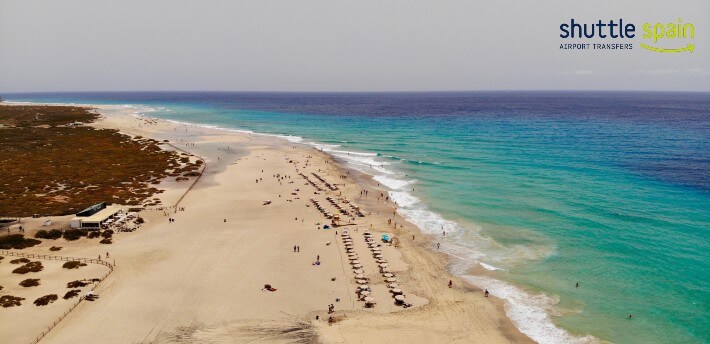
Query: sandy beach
[[201, 277]]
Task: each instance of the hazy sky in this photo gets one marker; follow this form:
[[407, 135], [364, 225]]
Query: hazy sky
[[331, 45]]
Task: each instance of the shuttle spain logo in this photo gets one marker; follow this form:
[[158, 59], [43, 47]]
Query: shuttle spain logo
[[619, 35]]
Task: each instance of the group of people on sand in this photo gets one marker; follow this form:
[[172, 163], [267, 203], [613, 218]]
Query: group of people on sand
[[296, 248]]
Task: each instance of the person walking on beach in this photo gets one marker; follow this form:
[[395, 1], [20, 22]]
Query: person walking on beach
[[294, 248], [576, 285], [451, 283], [485, 293], [438, 245], [318, 258]]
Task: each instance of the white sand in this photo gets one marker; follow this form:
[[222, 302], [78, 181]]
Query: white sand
[[199, 279]]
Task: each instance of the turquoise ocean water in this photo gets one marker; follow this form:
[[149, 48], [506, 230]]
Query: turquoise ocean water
[[610, 190]]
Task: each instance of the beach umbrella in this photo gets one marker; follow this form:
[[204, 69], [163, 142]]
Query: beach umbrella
[[369, 299], [399, 298], [364, 287], [388, 275], [391, 279], [360, 281], [355, 262], [357, 266], [348, 245], [383, 265], [364, 292], [353, 258], [392, 285], [381, 261], [385, 270], [360, 276], [396, 291], [359, 271]]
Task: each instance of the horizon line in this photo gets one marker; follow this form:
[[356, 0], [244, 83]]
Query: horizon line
[[355, 92]]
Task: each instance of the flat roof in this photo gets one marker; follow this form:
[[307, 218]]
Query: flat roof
[[102, 215]]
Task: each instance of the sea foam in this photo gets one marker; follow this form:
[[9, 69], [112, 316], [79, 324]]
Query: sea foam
[[528, 312]]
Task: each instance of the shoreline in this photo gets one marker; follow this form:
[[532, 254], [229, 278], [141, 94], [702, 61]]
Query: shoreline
[[543, 327], [420, 262]]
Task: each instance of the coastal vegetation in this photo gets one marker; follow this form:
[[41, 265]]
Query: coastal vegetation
[[29, 267], [16, 241], [10, 301], [53, 164], [73, 265], [45, 300], [51, 234], [30, 282], [77, 284], [71, 293], [75, 234]]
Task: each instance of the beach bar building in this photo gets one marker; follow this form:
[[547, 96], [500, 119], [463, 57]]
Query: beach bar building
[[94, 216]]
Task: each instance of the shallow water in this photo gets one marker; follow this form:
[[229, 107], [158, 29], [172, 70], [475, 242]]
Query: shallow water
[[610, 190]]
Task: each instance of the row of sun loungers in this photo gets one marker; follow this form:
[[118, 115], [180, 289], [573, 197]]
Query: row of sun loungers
[[330, 186], [363, 289], [352, 206], [337, 206], [311, 182], [327, 214]]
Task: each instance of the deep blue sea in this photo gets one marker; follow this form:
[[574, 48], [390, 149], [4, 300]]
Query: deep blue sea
[[545, 189]]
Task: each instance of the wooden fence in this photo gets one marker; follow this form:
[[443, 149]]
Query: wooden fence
[[67, 259]]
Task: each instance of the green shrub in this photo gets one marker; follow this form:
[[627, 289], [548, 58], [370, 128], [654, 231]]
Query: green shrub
[[77, 284], [74, 234], [71, 293], [20, 261], [29, 267], [10, 301], [73, 265], [52, 234], [16, 241], [45, 300], [30, 282]]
